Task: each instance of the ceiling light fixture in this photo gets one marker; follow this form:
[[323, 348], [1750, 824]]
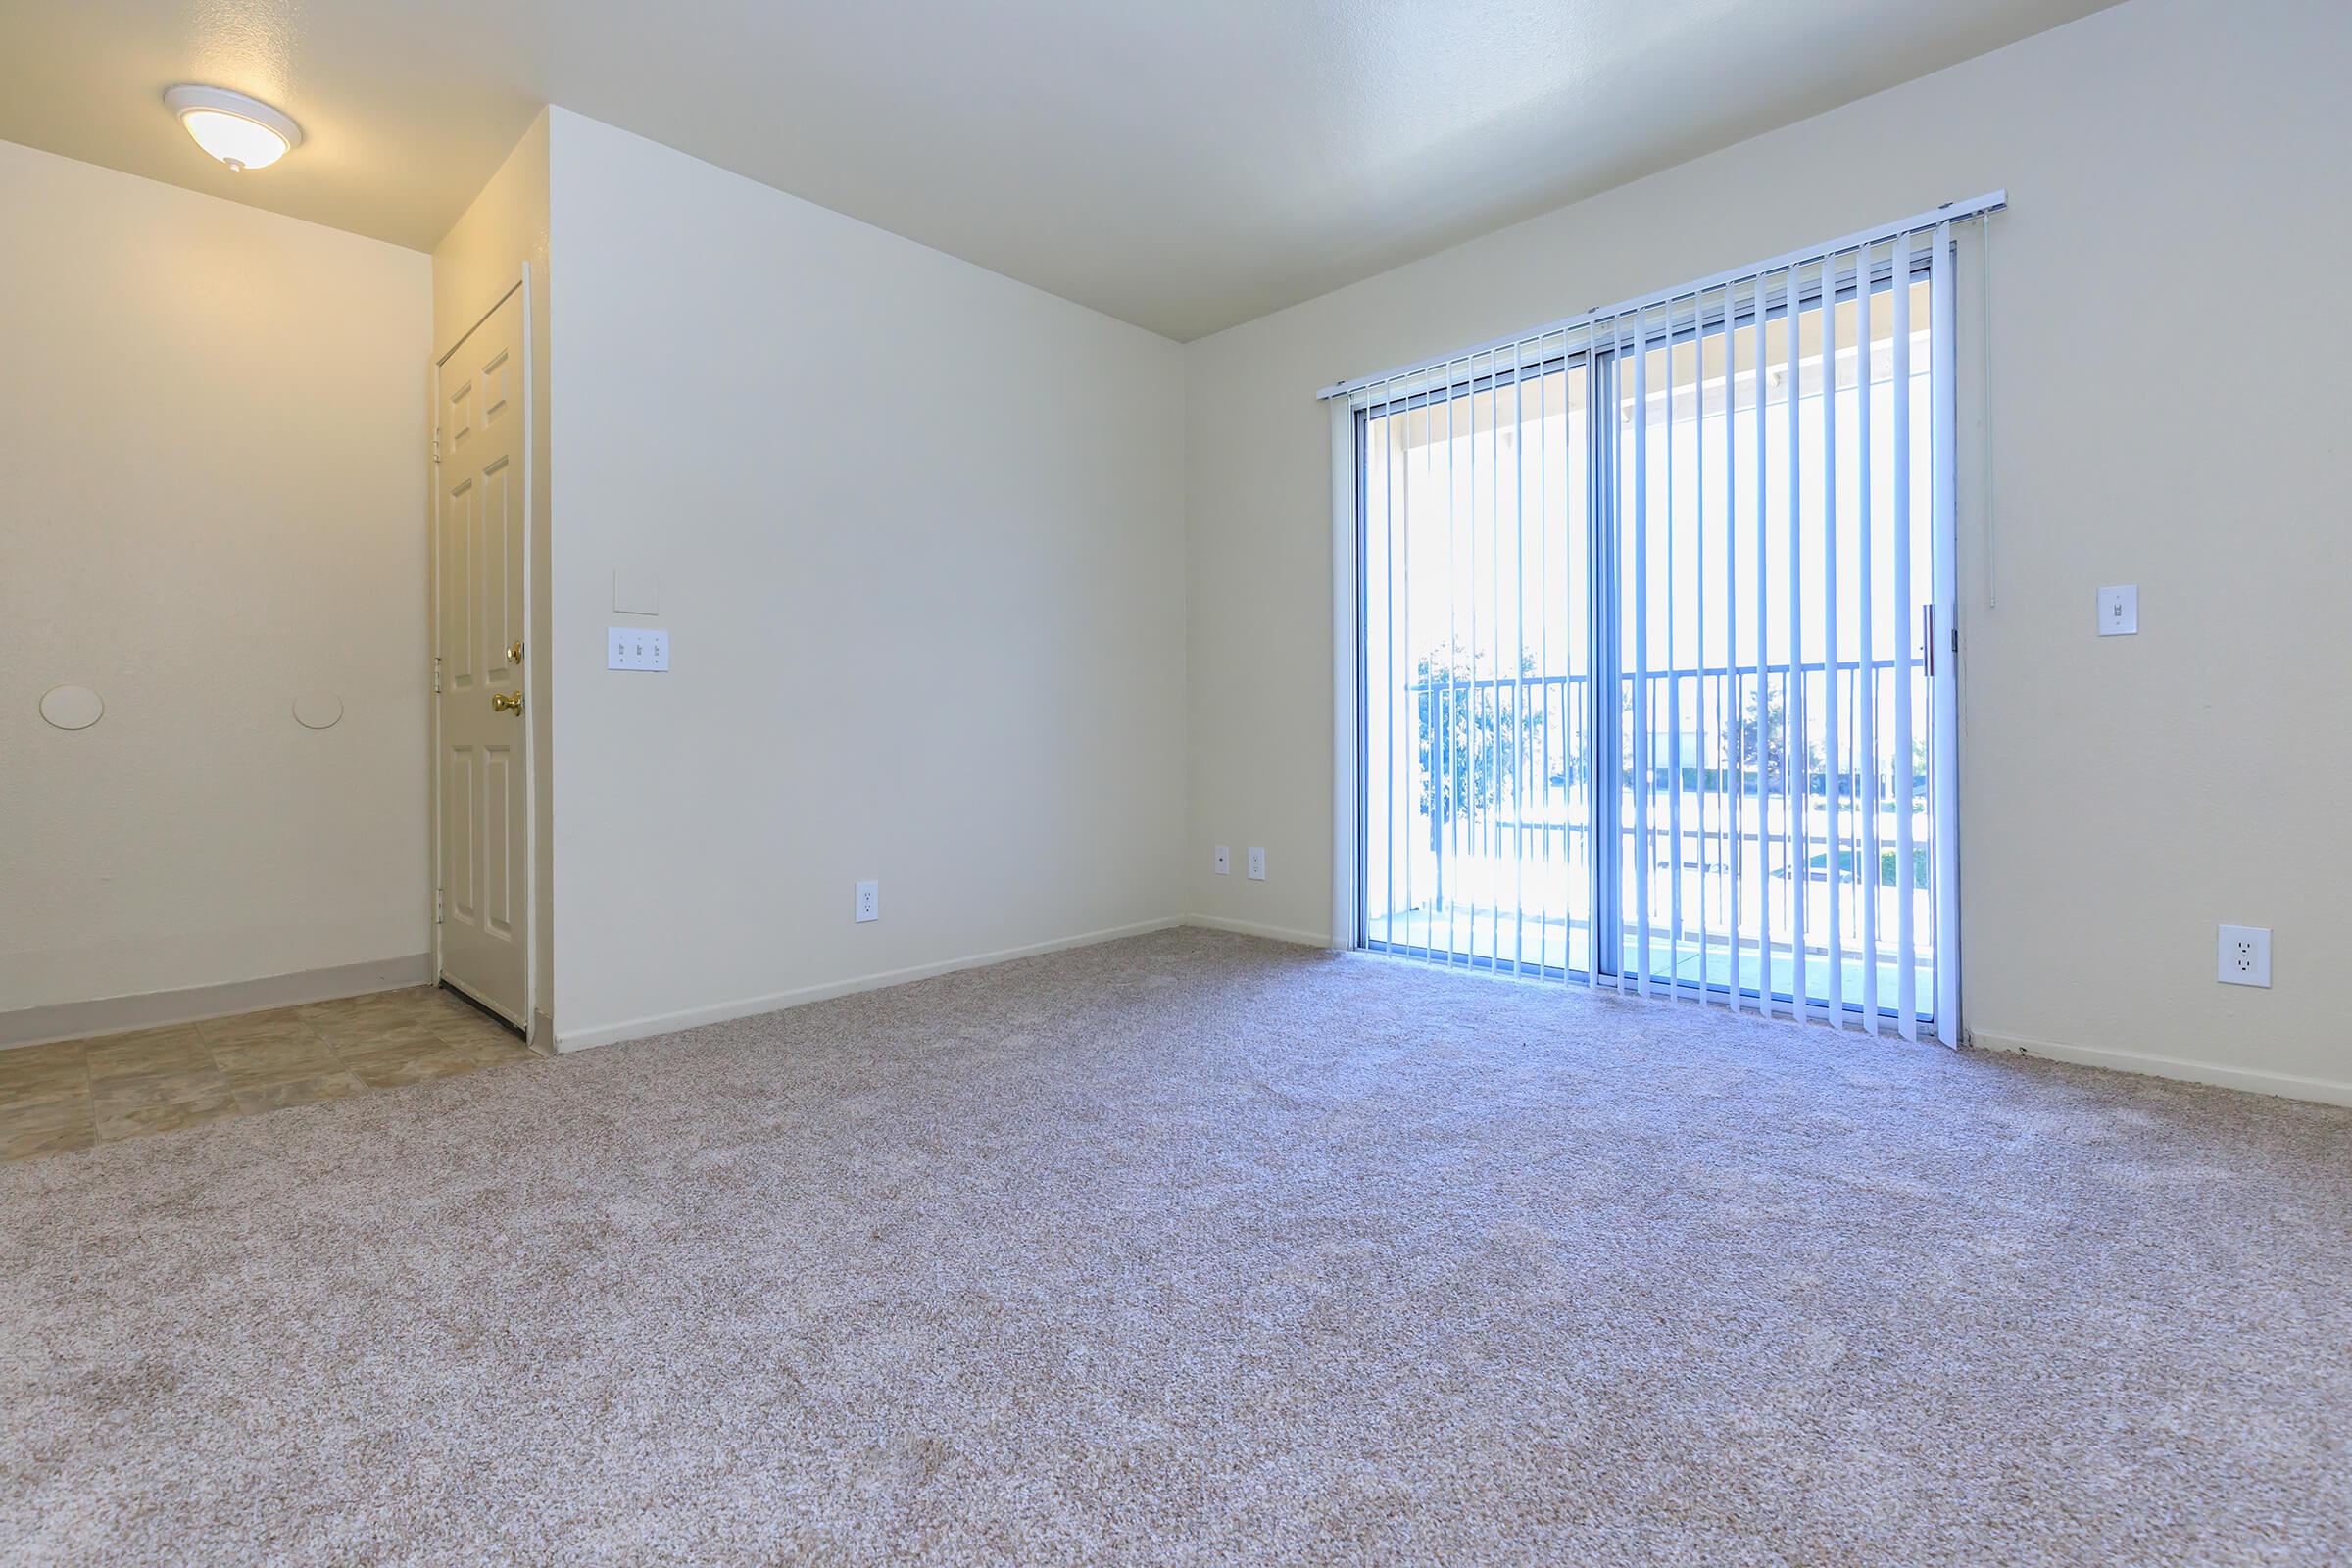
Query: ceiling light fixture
[[242, 132]]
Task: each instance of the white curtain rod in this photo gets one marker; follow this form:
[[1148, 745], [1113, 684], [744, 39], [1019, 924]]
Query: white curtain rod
[[1948, 212]]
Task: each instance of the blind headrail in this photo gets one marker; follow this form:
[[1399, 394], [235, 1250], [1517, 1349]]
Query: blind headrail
[[1948, 212]]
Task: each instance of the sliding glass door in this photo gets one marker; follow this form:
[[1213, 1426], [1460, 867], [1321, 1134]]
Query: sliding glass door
[[1650, 696], [1477, 703]]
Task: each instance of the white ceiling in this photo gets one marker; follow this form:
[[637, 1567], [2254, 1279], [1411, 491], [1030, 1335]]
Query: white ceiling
[[1183, 164]]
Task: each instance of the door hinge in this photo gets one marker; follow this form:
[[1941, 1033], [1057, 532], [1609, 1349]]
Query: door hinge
[[436, 673], [436, 906], [436, 446]]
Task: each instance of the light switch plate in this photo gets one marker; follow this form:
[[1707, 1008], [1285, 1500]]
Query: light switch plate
[[2119, 612], [1224, 860], [636, 592], [1257, 862], [636, 648]]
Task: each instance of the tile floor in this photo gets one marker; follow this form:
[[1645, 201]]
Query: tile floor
[[75, 1092]]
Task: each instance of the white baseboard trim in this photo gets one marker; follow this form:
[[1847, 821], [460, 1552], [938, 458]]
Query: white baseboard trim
[[1272, 933], [2326, 1091], [112, 1015], [777, 1001]]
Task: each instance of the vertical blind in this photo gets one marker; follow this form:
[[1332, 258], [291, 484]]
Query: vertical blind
[[1655, 681]]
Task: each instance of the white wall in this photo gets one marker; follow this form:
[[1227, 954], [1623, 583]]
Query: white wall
[[919, 535], [477, 261], [2172, 408], [211, 437]]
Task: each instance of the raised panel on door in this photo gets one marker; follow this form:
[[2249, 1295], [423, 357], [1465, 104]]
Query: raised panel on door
[[497, 389], [500, 600], [461, 838], [456, 421], [502, 779], [460, 665]]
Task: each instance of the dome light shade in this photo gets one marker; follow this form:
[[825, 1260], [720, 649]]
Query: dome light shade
[[242, 132]]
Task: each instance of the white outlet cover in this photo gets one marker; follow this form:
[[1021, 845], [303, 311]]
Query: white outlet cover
[[1224, 860], [870, 903], [1258, 863], [2245, 956], [2119, 612]]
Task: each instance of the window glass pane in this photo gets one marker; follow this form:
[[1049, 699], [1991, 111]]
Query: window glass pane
[[1477, 623]]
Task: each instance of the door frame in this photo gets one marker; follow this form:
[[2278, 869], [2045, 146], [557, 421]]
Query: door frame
[[1350, 730], [532, 685]]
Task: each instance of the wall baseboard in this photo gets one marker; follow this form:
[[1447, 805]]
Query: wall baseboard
[[1272, 933], [777, 1001], [111, 1016], [2289, 1086]]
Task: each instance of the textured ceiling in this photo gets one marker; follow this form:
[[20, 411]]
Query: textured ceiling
[[1183, 167]]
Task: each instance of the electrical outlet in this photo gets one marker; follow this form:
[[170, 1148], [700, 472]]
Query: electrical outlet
[[1224, 860], [1258, 863], [2246, 956], [869, 901]]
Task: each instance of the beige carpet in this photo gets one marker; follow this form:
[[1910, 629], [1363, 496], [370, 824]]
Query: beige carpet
[[1197, 1250]]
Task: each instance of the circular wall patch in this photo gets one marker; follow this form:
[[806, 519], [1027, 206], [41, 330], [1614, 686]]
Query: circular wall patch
[[317, 709], [71, 706]]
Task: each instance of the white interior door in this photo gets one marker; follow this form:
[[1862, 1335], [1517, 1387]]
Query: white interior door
[[480, 789]]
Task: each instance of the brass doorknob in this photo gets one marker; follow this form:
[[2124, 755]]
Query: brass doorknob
[[506, 701], [514, 653]]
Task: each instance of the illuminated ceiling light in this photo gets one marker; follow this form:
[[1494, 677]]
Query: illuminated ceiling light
[[242, 132]]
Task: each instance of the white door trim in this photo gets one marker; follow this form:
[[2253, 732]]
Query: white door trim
[[534, 660]]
